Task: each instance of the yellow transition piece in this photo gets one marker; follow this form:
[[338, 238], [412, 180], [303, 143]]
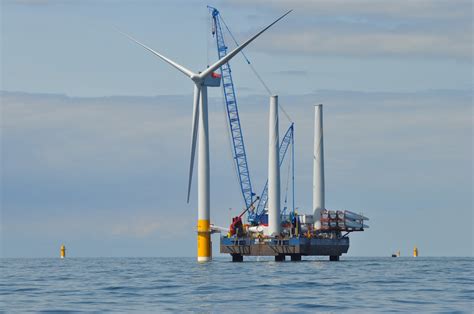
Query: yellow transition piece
[[204, 241]]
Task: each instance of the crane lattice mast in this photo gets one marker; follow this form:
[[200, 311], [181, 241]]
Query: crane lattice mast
[[239, 154]]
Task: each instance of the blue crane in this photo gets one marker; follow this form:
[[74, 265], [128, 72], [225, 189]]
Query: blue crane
[[239, 154]]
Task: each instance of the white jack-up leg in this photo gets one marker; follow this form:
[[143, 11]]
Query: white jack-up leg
[[274, 224], [318, 167]]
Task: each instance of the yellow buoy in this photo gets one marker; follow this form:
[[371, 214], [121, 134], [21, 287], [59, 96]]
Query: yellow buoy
[[415, 252], [63, 251]]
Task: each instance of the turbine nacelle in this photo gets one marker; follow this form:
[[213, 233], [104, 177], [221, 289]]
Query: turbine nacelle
[[212, 80]]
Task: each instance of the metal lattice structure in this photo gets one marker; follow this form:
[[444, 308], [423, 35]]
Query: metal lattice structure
[[239, 154]]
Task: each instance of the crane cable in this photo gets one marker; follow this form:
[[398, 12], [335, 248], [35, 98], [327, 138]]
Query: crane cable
[[208, 26], [254, 70]]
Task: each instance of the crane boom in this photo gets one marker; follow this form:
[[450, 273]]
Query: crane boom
[[239, 154]]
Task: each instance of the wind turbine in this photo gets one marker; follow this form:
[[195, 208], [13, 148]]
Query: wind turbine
[[201, 81]]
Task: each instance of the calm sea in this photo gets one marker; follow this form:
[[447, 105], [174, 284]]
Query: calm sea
[[180, 284]]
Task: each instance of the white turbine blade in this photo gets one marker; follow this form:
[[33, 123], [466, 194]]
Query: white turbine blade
[[169, 61], [194, 130], [229, 56]]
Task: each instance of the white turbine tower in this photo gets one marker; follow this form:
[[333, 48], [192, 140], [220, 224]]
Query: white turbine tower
[[200, 121]]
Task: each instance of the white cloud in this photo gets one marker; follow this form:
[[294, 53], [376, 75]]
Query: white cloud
[[442, 9], [364, 44], [28, 2], [67, 132], [419, 28]]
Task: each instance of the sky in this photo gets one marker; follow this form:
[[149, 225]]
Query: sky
[[95, 131]]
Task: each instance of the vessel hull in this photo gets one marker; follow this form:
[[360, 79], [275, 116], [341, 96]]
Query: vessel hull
[[291, 246]]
